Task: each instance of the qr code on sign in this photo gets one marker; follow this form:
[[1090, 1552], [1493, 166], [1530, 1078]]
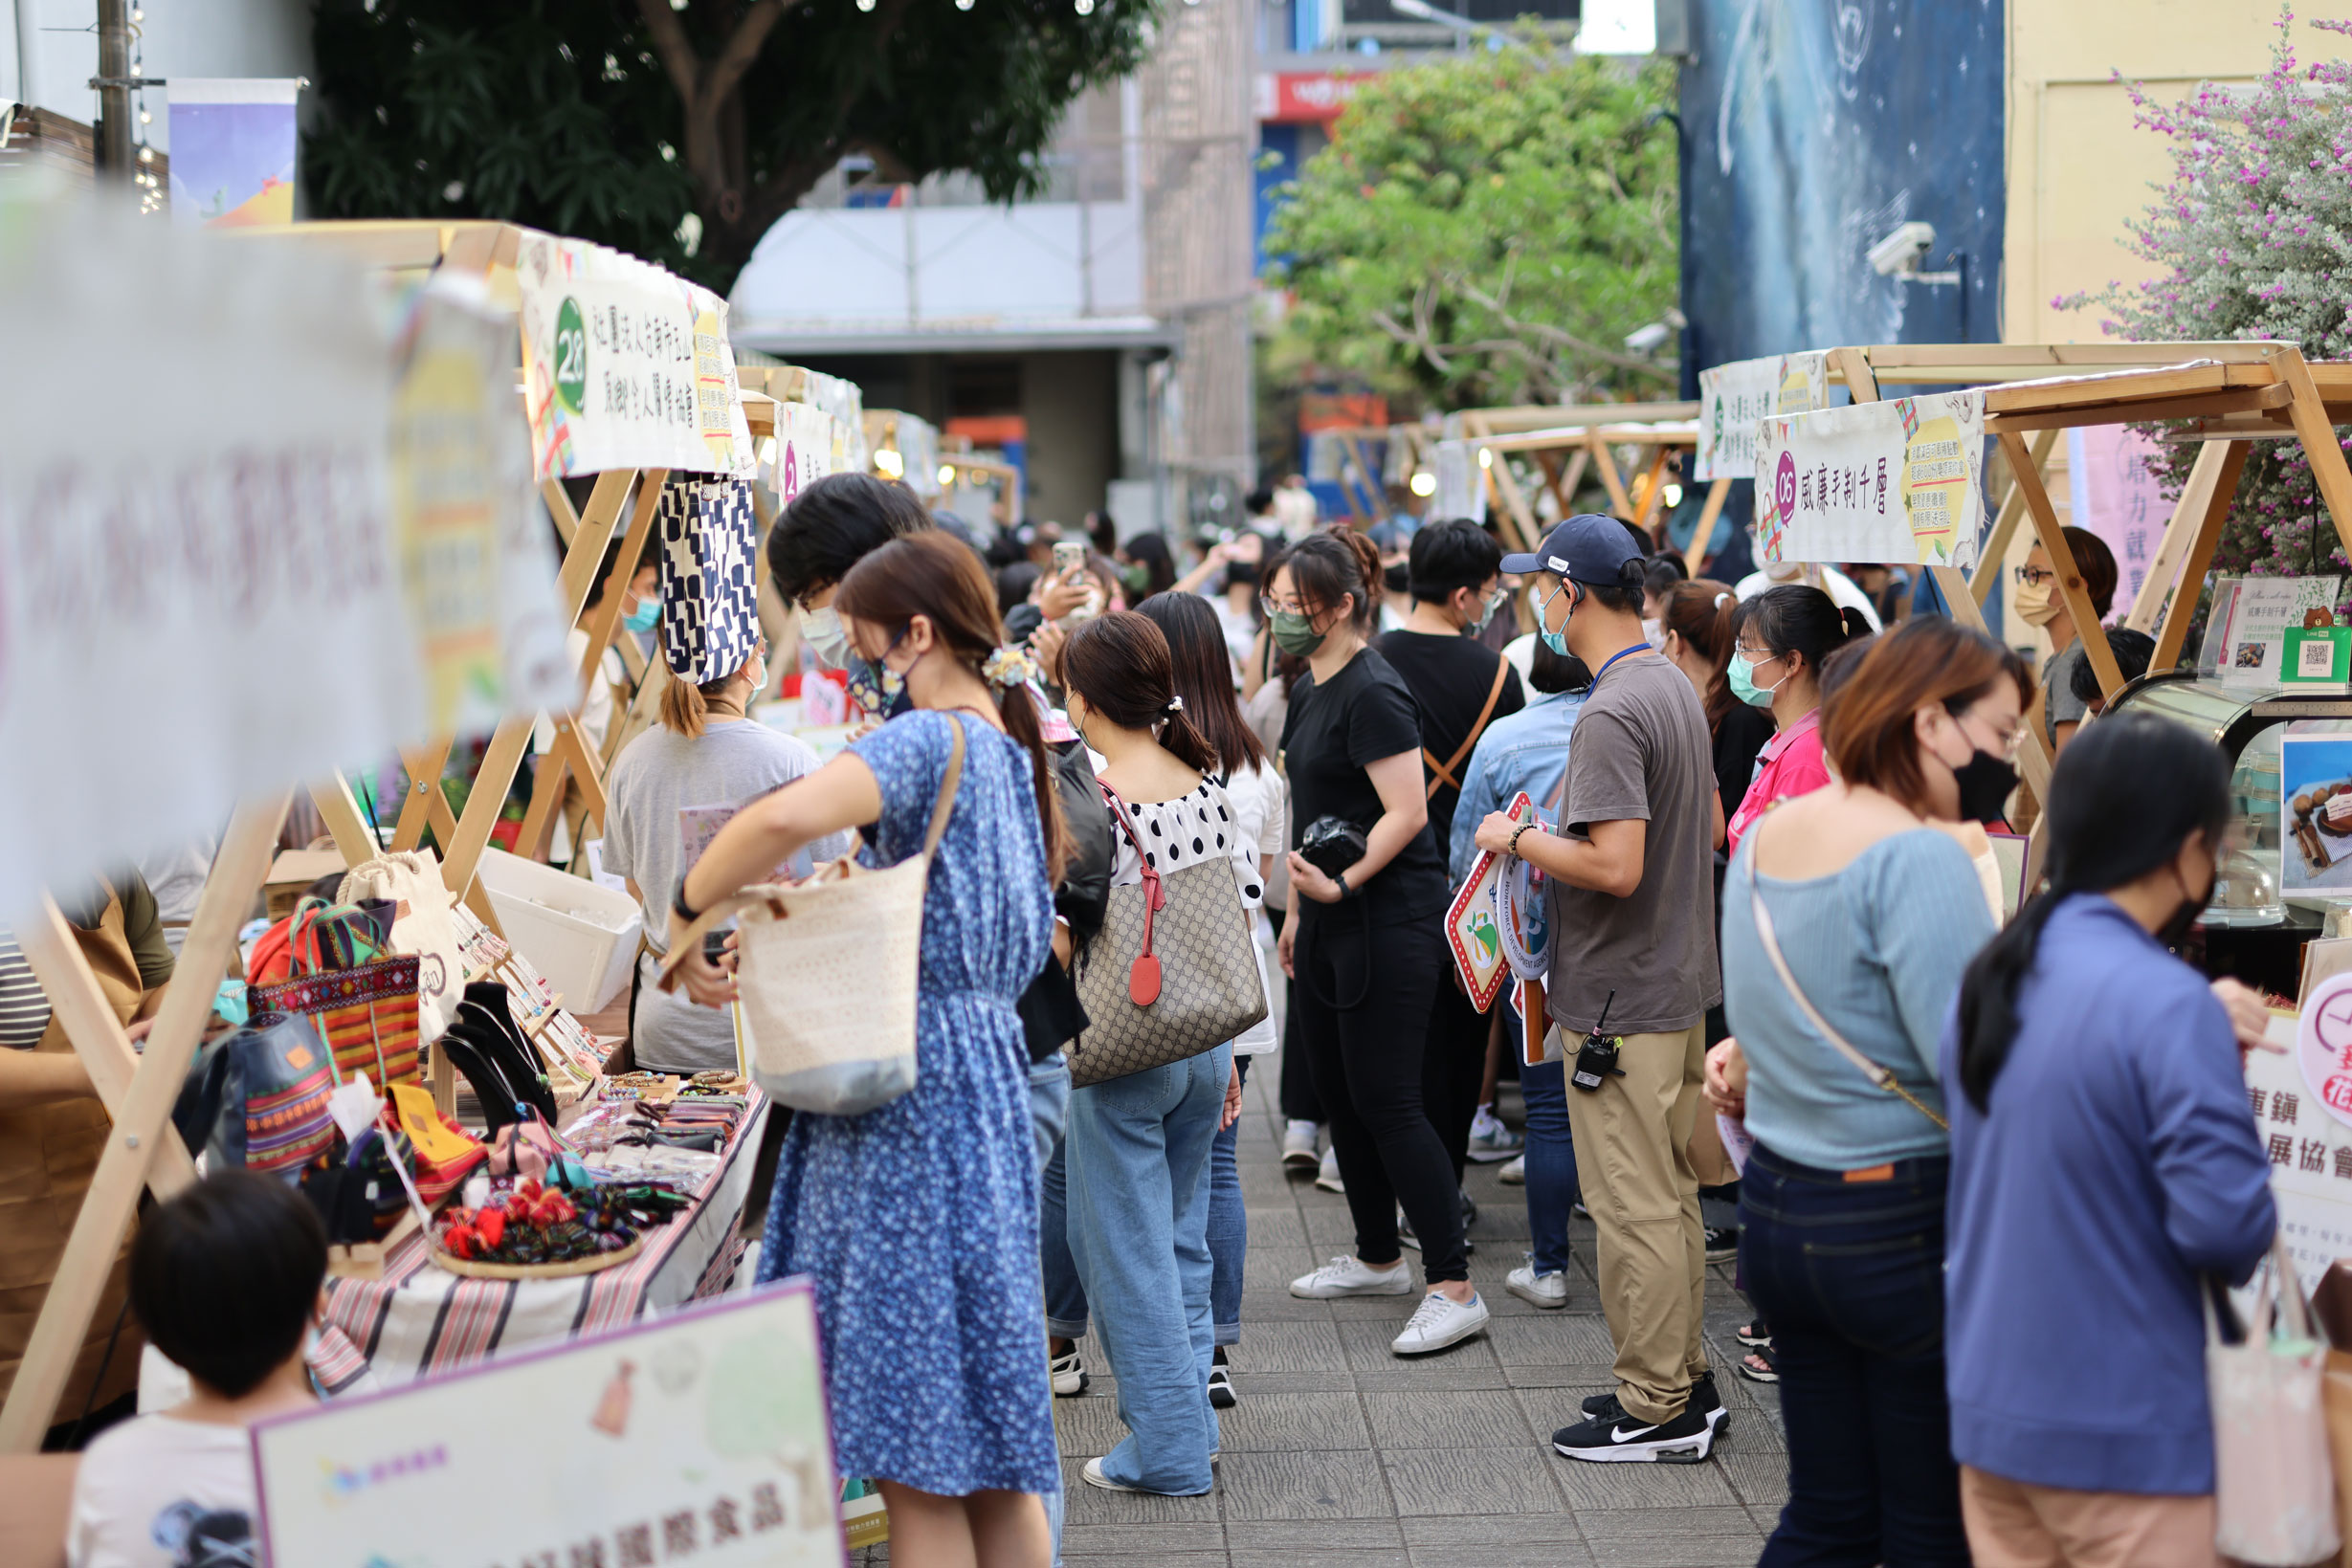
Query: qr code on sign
[[2317, 659]]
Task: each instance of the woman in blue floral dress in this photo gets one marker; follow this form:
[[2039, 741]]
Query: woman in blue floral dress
[[917, 1220]]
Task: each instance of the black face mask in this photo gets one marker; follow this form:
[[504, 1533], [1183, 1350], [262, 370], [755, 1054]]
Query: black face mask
[[2175, 930], [1240, 574], [1985, 783], [1399, 578]]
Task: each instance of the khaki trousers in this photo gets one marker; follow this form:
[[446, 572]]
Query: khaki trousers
[[1632, 1161], [2011, 1524]]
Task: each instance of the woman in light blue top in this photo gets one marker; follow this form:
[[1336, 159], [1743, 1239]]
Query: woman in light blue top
[[1849, 919]]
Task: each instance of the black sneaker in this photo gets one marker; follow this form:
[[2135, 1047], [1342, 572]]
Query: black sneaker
[[1703, 1398], [1220, 1381], [1723, 1243], [1617, 1438]]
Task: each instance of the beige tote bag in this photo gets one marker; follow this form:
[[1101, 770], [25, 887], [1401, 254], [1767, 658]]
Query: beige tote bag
[[423, 926], [827, 969], [2273, 1483]]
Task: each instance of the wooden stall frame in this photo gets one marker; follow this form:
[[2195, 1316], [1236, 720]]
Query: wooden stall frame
[[1583, 436]]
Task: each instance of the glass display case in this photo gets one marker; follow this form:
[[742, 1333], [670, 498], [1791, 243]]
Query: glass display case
[[2249, 911]]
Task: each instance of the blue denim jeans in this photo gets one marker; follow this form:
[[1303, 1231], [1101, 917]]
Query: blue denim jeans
[[1048, 1107], [1551, 1162], [1851, 1276], [1138, 1155], [1229, 1228], [1065, 1294]]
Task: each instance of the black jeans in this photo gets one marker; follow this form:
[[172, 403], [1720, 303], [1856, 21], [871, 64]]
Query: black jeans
[[1453, 1065], [1363, 1016], [1851, 1276]]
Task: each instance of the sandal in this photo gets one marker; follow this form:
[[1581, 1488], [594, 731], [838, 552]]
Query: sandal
[[1756, 1333], [1757, 1367]]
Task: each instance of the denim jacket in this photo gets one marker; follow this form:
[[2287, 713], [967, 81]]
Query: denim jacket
[[1526, 750]]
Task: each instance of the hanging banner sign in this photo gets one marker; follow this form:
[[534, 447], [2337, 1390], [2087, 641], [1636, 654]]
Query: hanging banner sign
[[1733, 397], [1461, 483], [2115, 491], [700, 1438], [2301, 1101], [1881, 482], [233, 150], [808, 446], [199, 601], [476, 560], [624, 367]]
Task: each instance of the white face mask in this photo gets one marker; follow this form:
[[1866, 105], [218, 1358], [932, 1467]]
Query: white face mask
[[822, 630], [1653, 632]]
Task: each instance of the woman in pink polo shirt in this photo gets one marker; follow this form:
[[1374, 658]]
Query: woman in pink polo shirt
[[1781, 638]]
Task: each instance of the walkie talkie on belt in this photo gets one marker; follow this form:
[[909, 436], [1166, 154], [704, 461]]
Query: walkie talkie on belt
[[1597, 1060]]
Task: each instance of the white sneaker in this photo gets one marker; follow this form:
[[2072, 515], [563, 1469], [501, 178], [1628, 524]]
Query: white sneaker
[[1298, 1145], [1437, 1322], [1491, 1141], [1069, 1375], [1546, 1291], [1328, 1176], [1348, 1275], [1515, 1174]]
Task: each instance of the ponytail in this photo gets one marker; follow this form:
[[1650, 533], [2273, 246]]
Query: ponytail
[[685, 707], [1182, 738], [2106, 828], [1122, 665], [1017, 706]]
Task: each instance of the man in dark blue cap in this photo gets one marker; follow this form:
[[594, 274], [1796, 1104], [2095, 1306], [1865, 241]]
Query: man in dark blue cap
[[1630, 889]]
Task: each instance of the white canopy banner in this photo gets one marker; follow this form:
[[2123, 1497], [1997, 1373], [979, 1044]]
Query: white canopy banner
[[199, 600], [1733, 397], [625, 365], [1461, 483], [1888, 483]]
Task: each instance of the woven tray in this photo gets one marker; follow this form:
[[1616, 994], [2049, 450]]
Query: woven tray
[[575, 1267]]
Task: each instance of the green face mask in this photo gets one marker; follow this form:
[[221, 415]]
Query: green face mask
[[1295, 633]]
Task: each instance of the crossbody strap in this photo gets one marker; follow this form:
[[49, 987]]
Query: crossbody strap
[[1143, 974], [1441, 774], [1877, 1072]]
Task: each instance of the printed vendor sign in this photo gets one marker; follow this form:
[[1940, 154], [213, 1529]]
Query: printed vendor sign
[[624, 367], [2246, 628], [234, 143], [703, 1437], [1733, 397], [2315, 814], [2307, 1137], [1472, 928], [230, 561], [1893, 482]]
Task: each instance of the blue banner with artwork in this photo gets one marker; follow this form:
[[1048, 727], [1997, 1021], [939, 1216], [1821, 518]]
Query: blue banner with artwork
[[233, 150]]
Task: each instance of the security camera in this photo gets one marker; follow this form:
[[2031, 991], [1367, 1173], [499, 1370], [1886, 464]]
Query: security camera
[[1646, 340], [1902, 251]]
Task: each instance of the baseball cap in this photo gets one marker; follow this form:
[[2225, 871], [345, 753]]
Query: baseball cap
[[1589, 547]]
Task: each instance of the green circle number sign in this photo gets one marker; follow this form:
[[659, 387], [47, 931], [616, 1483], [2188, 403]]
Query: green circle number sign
[[570, 357]]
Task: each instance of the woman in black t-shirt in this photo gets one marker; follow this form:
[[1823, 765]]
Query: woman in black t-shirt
[[1365, 944]]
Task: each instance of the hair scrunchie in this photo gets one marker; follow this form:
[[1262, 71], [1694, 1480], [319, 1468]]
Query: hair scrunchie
[[1008, 667]]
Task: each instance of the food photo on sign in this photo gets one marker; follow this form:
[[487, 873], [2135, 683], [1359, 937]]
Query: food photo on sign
[[2315, 787]]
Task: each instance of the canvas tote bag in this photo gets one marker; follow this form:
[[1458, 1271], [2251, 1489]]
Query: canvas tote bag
[[828, 970], [1173, 972], [422, 927], [2273, 1483]]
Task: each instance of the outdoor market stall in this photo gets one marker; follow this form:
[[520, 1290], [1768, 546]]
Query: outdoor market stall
[[1565, 442]]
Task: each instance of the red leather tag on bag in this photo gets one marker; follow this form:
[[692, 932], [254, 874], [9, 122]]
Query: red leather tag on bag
[[1144, 980]]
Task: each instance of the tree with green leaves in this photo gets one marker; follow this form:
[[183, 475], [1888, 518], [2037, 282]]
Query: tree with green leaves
[[1486, 228], [681, 130]]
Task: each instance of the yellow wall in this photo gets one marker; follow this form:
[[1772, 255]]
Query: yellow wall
[[2078, 166]]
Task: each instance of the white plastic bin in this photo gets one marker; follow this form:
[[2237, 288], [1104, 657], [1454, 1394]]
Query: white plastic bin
[[583, 937]]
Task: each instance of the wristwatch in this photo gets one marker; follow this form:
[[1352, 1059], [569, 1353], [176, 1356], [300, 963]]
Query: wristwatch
[[1511, 848], [681, 908], [1346, 891]]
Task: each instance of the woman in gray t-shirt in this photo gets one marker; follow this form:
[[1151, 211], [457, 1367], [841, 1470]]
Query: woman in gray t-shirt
[[705, 753]]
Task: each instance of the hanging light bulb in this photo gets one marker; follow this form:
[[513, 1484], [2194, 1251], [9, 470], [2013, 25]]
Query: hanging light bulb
[[964, 4], [1085, 8]]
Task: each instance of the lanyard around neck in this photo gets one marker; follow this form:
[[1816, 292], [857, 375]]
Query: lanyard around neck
[[1637, 647]]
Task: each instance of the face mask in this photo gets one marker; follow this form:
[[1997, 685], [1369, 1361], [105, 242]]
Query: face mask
[[1399, 578], [1137, 578], [1984, 783], [2171, 933], [822, 630], [1653, 632], [2037, 604], [1742, 677], [1295, 633], [643, 617], [1556, 641], [1487, 612], [876, 687], [1240, 574]]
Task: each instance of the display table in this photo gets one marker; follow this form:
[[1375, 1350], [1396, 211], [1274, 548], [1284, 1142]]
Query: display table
[[420, 1319]]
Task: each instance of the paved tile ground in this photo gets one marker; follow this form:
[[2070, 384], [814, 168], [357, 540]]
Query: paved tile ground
[[1340, 1453]]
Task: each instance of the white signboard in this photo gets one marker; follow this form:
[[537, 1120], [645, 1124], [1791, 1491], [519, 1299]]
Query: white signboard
[[702, 1438], [199, 602], [2310, 1147], [1733, 397], [625, 365], [808, 445], [1461, 483], [2246, 630], [476, 558], [1884, 482]]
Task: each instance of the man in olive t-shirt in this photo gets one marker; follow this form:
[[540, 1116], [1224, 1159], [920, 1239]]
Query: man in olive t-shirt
[[1632, 932]]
